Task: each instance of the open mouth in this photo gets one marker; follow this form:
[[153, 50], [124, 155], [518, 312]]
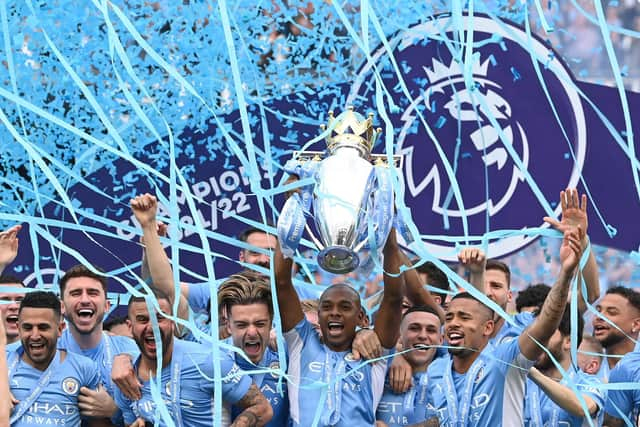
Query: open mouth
[[421, 348], [455, 338], [36, 347], [12, 319], [600, 329], [252, 347], [335, 328], [150, 342], [85, 313]]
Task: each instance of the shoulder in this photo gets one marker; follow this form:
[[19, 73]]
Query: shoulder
[[628, 368], [122, 343], [524, 319], [76, 365], [77, 360]]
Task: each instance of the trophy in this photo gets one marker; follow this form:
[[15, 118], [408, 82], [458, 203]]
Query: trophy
[[348, 192]]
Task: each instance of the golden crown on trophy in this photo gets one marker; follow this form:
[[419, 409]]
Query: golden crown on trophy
[[351, 129]]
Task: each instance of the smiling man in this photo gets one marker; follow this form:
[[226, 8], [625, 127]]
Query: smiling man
[[84, 295], [9, 305], [186, 374], [482, 384], [47, 381], [246, 299], [420, 334], [327, 386], [617, 327]]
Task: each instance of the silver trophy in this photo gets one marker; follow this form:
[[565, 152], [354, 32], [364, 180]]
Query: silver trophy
[[352, 197]]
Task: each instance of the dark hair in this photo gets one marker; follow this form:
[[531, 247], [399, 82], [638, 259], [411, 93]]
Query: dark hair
[[494, 264], [343, 286], [420, 309], [114, 321], [41, 299], [629, 294], [244, 235], [7, 279], [532, 296], [565, 324], [437, 278], [467, 295], [80, 270], [244, 288], [156, 293]]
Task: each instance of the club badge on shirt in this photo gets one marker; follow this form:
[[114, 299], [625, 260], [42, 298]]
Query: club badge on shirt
[[70, 386]]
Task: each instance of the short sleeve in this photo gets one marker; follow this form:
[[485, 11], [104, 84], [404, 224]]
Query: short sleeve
[[509, 353], [591, 386]]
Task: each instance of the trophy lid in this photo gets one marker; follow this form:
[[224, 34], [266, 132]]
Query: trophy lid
[[351, 129]]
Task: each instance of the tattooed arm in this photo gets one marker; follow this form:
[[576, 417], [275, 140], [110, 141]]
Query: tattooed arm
[[256, 409]]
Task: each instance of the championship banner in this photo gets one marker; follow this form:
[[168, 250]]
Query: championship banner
[[490, 123]]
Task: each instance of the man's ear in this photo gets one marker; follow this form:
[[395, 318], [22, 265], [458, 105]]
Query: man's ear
[[437, 299], [489, 326], [592, 367]]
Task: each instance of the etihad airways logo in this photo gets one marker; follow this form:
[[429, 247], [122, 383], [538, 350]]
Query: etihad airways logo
[[489, 122]]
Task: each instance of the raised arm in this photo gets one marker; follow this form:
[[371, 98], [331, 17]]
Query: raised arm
[[414, 287], [8, 246], [145, 208], [574, 214], [256, 409], [387, 324], [562, 395], [474, 260], [551, 312], [290, 311]]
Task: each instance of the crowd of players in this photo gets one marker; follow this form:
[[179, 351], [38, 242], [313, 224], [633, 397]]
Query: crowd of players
[[428, 356]]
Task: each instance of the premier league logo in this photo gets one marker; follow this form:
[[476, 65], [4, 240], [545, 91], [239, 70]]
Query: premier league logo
[[70, 386], [470, 110]]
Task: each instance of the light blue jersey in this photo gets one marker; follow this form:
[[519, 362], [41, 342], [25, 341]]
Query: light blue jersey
[[509, 331], [50, 397], [541, 411], [625, 403], [109, 347], [13, 346], [268, 385], [329, 386], [405, 408], [103, 354], [490, 393], [189, 376]]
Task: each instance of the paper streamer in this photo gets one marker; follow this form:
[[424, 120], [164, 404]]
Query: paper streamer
[[94, 87]]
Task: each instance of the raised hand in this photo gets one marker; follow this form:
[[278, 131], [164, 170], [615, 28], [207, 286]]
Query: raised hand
[[145, 209], [574, 212], [473, 259], [8, 246], [571, 249]]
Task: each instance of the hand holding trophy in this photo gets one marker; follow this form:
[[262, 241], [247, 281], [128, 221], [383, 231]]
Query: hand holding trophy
[[350, 193]]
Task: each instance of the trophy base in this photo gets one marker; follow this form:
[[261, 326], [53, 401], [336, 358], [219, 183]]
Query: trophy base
[[338, 259]]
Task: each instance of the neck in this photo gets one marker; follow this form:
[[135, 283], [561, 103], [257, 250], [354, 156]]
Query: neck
[[41, 366], [12, 339], [421, 367], [149, 366], [619, 349], [86, 341], [497, 326], [462, 364], [553, 372]]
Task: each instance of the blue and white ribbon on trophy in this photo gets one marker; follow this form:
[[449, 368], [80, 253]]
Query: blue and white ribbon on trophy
[[291, 222]]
